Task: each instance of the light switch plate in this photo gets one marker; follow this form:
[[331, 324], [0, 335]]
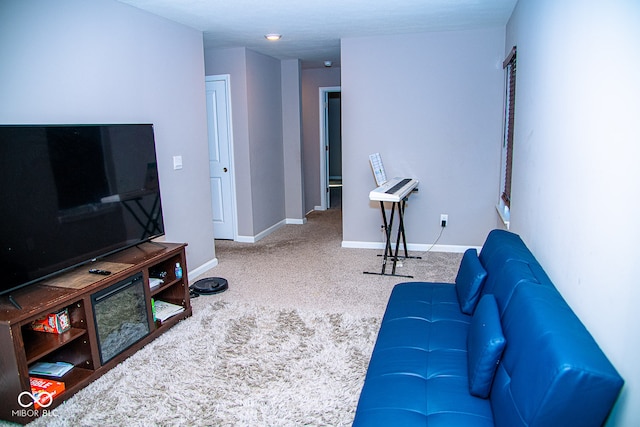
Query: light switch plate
[[177, 162]]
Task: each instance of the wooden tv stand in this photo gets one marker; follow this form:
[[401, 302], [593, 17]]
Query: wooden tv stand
[[20, 346]]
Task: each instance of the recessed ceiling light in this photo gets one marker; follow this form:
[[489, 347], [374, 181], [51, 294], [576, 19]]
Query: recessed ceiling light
[[273, 37]]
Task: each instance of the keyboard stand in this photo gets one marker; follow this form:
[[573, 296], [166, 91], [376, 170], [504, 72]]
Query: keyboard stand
[[389, 253]]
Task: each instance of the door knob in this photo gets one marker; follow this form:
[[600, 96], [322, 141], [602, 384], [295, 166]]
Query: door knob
[[224, 169]]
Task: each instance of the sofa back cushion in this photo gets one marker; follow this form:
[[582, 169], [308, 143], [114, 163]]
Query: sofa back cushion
[[469, 281], [501, 245], [552, 372], [485, 343], [513, 274]]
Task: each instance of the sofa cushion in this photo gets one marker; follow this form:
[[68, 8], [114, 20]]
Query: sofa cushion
[[417, 373], [469, 281], [485, 344]]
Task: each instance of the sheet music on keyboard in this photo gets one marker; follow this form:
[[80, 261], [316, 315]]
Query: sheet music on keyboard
[[378, 168]]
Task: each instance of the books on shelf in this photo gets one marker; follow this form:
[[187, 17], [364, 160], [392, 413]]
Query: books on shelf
[[155, 282], [50, 369], [44, 391], [163, 310]]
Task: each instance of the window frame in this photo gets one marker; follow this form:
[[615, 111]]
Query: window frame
[[506, 163]]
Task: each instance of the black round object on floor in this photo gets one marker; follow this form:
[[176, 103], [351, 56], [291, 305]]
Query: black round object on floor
[[210, 286]]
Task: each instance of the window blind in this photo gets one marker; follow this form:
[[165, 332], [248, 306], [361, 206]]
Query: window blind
[[510, 65]]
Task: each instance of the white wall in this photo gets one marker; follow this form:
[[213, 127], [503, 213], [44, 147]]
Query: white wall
[[576, 178], [73, 61], [431, 104]]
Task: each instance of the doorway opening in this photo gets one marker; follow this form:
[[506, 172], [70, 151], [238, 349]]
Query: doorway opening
[[331, 147]]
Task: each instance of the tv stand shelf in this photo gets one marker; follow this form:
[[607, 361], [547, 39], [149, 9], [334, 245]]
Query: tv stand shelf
[[39, 344], [78, 291]]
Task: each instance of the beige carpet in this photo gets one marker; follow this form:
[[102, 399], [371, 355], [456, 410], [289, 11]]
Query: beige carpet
[[305, 266], [287, 345]]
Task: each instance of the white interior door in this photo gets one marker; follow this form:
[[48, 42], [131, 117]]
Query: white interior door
[[220, 158]]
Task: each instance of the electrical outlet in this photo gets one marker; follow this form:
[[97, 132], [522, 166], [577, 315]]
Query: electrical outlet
[[444, 219]]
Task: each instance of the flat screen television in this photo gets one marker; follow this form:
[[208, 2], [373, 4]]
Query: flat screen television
[[72, 194]]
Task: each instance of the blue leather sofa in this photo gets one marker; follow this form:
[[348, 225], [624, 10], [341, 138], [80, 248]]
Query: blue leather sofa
[[518, 357]]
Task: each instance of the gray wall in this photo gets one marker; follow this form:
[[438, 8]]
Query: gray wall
[[294, 163], [431, 105], [292, 140], [264, 92], [233, 62], [576, 176], [257, 113], [73, 61]]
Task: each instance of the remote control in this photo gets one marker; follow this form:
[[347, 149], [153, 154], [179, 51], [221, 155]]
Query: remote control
[[100, 272]]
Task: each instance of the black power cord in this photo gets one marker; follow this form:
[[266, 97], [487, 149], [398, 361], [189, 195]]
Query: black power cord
[[437, 239]]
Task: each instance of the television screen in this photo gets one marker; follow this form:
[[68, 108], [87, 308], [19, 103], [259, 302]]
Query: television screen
[[73, 193]]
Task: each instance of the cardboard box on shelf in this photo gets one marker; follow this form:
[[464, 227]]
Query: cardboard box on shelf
[[55, 323], [44, 391]]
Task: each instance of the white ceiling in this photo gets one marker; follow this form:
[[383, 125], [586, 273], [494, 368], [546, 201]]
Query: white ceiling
[[311, 29]]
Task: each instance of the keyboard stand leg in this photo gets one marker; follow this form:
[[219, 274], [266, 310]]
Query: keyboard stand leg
[[388, 250], [401, 233], [401, 236], [387, 233]]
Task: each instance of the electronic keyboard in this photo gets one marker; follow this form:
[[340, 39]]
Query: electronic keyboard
[[393, 190]]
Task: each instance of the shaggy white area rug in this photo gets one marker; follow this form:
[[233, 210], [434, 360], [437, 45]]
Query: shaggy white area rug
[[234, 364]]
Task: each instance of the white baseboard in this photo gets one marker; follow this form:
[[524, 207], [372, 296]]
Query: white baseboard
[[198, 271], [416, 247], [296, 221], [262, 234], [362, 245], [274, 227]]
